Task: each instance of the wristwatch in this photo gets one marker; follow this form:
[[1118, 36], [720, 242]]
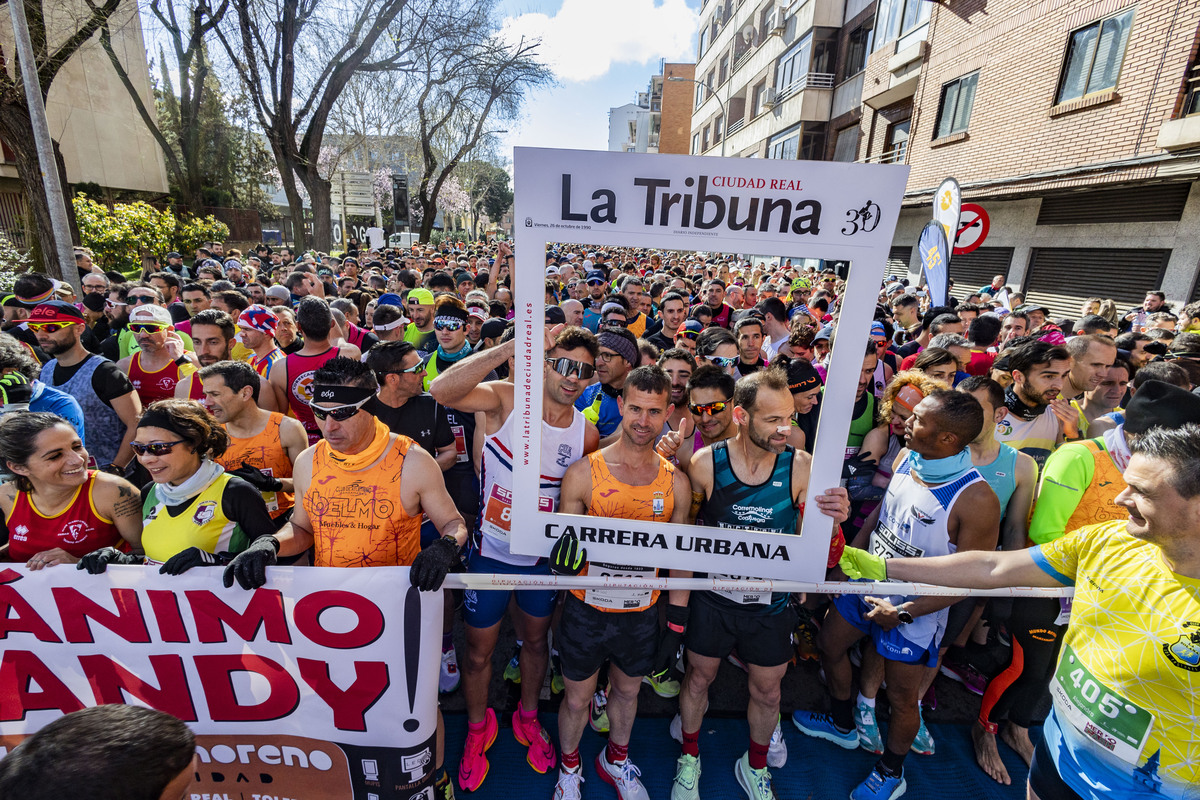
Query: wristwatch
[[904, 617]]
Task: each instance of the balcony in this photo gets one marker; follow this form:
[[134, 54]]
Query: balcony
[[894, 156], [899, 78], [847, 96], [1180, 134], [811, 80]]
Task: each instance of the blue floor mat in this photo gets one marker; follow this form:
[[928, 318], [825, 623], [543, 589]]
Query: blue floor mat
[[814, 769]]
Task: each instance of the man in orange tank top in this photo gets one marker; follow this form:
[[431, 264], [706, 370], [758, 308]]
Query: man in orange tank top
[[362, 491], [626, 480], [263, 445]]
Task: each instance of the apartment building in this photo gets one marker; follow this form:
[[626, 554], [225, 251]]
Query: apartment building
[[1075, 126], [660, 120]]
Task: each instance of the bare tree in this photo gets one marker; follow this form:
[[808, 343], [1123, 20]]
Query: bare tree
[[295, 58], [192, 70], [73, 26]]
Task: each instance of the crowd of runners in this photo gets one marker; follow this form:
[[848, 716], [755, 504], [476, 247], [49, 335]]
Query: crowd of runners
[[224, 410]]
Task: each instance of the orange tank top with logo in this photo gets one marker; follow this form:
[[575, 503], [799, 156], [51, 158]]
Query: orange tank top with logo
[[653, 502], [1096, 505], [266, 452], [358, 518]]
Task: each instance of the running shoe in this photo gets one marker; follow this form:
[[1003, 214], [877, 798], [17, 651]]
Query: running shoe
[[623, 777], [676, 728], [557, 684], [821, 726], [966, 674], [473, 767], [687, 778], [531, 734], [804, 638], [567, 787], [923, 744], [869, 737], [448, 678], [599, 712], [664, 684], [777, 754], [512, 670], [443, 787], [756, 783], [878, 786]]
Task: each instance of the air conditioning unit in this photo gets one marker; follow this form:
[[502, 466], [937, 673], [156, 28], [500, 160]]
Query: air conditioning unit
[[772, 98], [776, 24]]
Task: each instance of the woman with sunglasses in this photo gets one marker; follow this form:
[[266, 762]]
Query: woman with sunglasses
[[193, 510], [717, 346], [57, 510]]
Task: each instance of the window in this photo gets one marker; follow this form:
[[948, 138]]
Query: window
[[785, 145], [1094, 57], [957, 99], [845, 149], [858, 47], [760, 97], [1191, 103], [724, 74], [897, 143], [699, 94], [801, 142], [793, 64], [695, 143], [894, 18], [703, 42], [704, 140], [717, 126]]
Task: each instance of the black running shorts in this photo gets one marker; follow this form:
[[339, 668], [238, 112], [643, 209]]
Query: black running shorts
[[588, 636], [764, 640]]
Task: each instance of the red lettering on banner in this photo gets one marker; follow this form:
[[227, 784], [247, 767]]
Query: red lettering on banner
[[166, 613], [8, 575], [19, 670], [26, 621], [216, 677], [309, 608], [75, 610], [265, 610], [110, 681], [350, 706]]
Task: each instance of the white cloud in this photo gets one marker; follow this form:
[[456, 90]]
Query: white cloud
[[585, 38]]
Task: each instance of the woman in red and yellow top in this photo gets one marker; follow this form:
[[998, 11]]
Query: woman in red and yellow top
[[57, 510]]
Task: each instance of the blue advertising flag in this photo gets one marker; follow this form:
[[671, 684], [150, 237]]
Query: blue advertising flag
[[935, 261]]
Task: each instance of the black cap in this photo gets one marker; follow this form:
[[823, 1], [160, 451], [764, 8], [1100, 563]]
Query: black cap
[[555, 315], [1157, 404], [493, 328]]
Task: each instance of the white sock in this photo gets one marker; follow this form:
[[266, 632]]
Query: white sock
[[869, 702]]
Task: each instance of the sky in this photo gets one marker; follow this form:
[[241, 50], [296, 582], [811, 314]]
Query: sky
[[602, 55]]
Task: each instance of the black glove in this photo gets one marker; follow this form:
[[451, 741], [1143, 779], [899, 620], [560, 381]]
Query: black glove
[[669, 644], [249, 567], [15, 389], [97, 561], [858, 475], [257, 478], [567, 557], [184, 560], [430, 566]]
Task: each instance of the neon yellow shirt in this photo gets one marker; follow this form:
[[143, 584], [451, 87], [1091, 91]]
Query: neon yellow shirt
[[1131, 655]]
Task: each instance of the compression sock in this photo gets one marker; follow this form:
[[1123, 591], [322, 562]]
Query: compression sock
[[891, 764], [758, 755], [842, 712], [691, 743], [616, 753], [570, 761]]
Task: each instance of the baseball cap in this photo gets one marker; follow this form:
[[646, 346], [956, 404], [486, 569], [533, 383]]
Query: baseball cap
[[422, 297], [493, 328], [553, 271], [479, 312], [389, 299], [57, 311], [690, 326], [555, 315], [825, 333], [155, 314]]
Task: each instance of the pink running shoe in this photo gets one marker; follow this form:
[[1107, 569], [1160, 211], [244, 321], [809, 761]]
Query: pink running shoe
[[531, 734], [473, 767]]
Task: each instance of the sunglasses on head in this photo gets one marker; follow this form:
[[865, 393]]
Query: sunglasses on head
[[712, 409], [448, 324], [722, 361], [113, 303], [146, 327], [49, 327], [688, 334], [339, 413], [155, 448], [567, 367], [416, 369]]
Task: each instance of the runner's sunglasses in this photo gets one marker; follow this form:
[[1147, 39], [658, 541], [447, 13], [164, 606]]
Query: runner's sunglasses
[[712, 409], [567, 367], [146, 327], [155, 448], [448, 324], [725, 362], [339, 413], [49, 327]]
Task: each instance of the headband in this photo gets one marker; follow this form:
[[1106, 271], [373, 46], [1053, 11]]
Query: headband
[[157, 418], [608, 308], [908, 397], [387, 326], [621, 344], [342, 395]]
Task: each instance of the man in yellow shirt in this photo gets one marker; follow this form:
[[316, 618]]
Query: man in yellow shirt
[[1128, 681]]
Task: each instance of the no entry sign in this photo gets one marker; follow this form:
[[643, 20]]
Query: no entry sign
[[973, 225]]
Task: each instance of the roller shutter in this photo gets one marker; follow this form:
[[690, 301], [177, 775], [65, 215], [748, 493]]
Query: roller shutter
[[1159, 203], [897, 263], [1062, 278], [974, 270]]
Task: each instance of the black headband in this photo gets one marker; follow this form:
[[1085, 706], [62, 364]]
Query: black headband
[[342, 395]]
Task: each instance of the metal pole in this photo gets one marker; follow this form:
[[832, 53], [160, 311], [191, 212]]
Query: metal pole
[[45, 149]]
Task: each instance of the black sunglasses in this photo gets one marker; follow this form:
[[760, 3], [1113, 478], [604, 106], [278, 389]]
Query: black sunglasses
[[339, 413], [566, 367]]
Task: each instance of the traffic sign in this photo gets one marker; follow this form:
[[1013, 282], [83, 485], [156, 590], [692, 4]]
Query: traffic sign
[[973, 226]]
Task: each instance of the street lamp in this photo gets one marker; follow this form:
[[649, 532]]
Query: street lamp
[[724, 113]]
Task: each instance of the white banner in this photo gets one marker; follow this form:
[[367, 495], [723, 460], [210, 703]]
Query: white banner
[[819, 209], [322, 684]]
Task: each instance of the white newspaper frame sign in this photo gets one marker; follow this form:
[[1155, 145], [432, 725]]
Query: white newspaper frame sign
[[827, 210]]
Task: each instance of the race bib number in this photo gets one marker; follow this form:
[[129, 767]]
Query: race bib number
[[886, 544], [738, 596], [460, 444], [1064, 611], [270, 498], [619, 599], [497, 513], [1101, 715]]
